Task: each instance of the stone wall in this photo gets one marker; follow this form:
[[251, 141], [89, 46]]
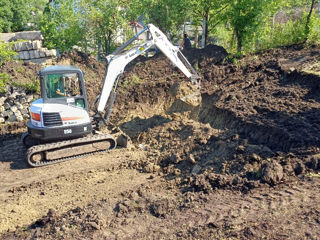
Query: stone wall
[[29, 46], [33, 51], [14, 106]]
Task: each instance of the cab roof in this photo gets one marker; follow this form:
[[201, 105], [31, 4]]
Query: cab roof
[[59, 68]]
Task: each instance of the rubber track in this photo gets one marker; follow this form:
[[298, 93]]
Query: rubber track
[[58, 145]]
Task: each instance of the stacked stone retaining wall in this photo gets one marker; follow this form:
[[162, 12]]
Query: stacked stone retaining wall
[[29, 47], [14, 105]]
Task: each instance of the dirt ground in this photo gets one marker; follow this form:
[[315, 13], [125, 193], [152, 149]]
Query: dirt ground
[[242, 165]]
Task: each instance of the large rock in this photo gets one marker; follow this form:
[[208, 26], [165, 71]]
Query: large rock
[[7, 37], [12, 118], [2, 100], [19, 106], [29, 35], [24, 46], [51, 53], [24, 111], [29, 46], [271, 172], [24, 55], [19, 118], [2, 120], [42, 52], [36, 45], [7, 106], [8, 113], [22, 100], [32, 55], [14, 109], [13, 96], [36, 54], [29, 98], [17, 47]]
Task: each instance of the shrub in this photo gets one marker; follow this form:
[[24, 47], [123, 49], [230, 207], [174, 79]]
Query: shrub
[[4, 79], [6, 52], [314, 34]]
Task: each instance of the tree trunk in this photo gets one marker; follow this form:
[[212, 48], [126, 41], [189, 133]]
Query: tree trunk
[[206, 29], [206, 37], [307, 28], [239, 40]]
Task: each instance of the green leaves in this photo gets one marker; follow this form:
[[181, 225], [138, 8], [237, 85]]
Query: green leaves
[[4, 79], [61, 25], [6, 16], [6, 52]]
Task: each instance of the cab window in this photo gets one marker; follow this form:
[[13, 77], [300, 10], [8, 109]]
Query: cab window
[[62, 85]]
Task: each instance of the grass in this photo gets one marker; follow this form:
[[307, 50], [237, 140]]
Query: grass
[[312, 174], [31, 87], [313, 68]]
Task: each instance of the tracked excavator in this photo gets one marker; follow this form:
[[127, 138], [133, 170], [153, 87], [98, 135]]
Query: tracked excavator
[[61, 127]]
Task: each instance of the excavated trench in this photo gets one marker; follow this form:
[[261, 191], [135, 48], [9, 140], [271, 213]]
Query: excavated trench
[[258, 125]]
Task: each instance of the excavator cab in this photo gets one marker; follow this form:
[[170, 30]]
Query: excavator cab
[[63, 84]]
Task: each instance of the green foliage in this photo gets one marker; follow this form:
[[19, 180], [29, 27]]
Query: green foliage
[[30, 87], [36, 8], [289, 33], [213, 11], [5, 16], [104, 20], [314, 34], [60, 25], [4, 79], [238, 25], [246, 16], [14, 15], [6, 52], [133, 80], [168, 15], [21, 15], [224, 37], [33, 87]]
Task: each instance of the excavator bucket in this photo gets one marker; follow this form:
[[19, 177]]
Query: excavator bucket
[[189, 93]]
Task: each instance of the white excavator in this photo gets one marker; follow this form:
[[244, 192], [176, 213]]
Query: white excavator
[[61, 128]]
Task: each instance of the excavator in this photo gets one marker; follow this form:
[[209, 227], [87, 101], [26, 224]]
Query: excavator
[[61, 127]]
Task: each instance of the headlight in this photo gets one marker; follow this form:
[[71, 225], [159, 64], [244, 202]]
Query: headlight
[[36, 116]]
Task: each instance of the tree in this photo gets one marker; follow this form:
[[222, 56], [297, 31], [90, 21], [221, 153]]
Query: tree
[[307, 28], [60, 24], [21, 15], [168, 15], [212, 11], [5, 16], [246, 16], [14, 15], [104, 21], [36, 8]]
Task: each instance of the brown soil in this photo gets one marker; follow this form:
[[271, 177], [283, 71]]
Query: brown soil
[[242, 165]]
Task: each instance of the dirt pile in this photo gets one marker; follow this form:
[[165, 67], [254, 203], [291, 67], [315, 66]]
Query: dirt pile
[[263, 113], [242, 165]]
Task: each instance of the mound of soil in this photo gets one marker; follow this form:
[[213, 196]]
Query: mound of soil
[[241, 165]]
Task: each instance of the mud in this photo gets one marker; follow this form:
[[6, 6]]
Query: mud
[[244, 164]]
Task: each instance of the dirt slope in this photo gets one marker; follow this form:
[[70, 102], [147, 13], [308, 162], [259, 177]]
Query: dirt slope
[[243, 165]]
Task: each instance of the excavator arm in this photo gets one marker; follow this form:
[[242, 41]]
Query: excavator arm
[[117, 61]]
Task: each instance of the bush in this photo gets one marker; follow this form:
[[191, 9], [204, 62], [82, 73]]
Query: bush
[[4, 79], [314, 34], [6, 52]]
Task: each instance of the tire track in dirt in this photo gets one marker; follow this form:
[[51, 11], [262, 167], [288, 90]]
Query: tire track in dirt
[[27, 194], [226, 215]]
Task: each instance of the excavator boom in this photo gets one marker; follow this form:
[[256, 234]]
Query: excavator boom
[[117, 61]]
